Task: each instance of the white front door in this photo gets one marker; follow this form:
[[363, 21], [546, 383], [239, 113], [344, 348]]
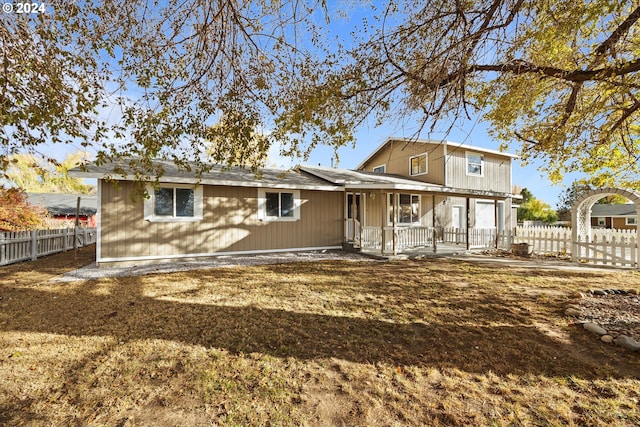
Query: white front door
[[457, 217]]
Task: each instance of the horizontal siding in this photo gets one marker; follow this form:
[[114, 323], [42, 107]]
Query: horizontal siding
[[230, 223]]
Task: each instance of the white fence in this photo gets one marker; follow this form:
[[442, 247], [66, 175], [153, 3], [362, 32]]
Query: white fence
[[621, 251], [545, 240], [605, 247], [16, 246]]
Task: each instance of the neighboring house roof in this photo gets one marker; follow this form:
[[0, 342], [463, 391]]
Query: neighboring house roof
[[305, 178], [453, 145], [65, 204], [603, 209], [235, 176]]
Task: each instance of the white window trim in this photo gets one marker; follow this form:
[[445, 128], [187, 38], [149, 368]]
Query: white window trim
[[482, 163], [198, 205], [634, 218], [384, 168], [262, 205], [602, 220], [396, 213], [426, 164]]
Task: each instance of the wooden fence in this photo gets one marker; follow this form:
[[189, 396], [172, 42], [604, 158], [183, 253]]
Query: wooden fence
[[16, 246], [616, 250], [545, 240], [605, 247]]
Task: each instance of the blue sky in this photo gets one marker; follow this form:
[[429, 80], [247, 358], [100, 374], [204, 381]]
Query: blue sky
[[345, 16], [348, 14], [368, 139]]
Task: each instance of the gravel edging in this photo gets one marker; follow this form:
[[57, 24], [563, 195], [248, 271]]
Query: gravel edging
[[612, 314]]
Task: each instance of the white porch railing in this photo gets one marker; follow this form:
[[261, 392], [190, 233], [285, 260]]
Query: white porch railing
[[398, 239], [479, 238]]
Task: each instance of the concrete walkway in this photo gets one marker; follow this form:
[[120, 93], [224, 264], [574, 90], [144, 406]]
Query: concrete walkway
[[93, 272]]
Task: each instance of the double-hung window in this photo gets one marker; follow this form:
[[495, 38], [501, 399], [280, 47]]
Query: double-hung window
[[173, 203], [418, 164], [278, 205], [475, 164], [631, 220]]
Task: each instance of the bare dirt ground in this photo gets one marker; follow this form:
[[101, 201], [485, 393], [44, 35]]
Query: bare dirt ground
[[332, 342]]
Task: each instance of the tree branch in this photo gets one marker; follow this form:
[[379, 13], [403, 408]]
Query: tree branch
[[523, 67]]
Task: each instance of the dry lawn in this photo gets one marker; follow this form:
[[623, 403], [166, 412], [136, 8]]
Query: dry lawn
[[428, 342]]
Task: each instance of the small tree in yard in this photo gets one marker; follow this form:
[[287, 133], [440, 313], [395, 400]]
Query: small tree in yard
[[16, 214], [532, 209]]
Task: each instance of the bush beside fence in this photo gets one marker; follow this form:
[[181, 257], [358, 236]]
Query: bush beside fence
[[16, 246]]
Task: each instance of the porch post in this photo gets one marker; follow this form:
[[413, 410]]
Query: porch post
[[346, 216], [433, 221], [383, 206], [353, 215], [393, 222], [495, 220], [467, 215], [363, 201]]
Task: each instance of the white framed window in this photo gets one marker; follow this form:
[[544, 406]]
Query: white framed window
[[278, 205], [631, 220], [380, 169], [418, 164], [408, 211], [475, 164], [174, 203], [602, 221]]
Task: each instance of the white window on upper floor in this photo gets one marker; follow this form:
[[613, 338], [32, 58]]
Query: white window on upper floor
[[475, 164], [278, 205], [174, 203], [418, 164], [380, 169]]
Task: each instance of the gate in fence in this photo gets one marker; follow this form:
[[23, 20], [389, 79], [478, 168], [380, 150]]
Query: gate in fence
[[587, 247]]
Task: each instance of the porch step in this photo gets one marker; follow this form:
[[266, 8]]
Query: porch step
[[351, 247]]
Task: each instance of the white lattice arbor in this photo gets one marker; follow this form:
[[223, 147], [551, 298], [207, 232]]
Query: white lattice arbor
[[581, 214]]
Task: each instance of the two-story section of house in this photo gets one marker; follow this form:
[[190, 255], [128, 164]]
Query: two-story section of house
[[405, 195], [476, 182]]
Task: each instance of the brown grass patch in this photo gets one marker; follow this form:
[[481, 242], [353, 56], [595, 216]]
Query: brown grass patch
[[428, 342]]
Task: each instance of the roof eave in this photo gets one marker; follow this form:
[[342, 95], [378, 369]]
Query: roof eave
[[424, 141], [167, 179]]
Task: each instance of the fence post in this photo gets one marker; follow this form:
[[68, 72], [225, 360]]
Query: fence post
[[2, 249], [34, 245]]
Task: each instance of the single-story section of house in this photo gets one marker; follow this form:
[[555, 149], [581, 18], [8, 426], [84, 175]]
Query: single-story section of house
[[615, 216]]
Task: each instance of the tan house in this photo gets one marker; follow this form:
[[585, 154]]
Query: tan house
[[405, 195], [618, 217]]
